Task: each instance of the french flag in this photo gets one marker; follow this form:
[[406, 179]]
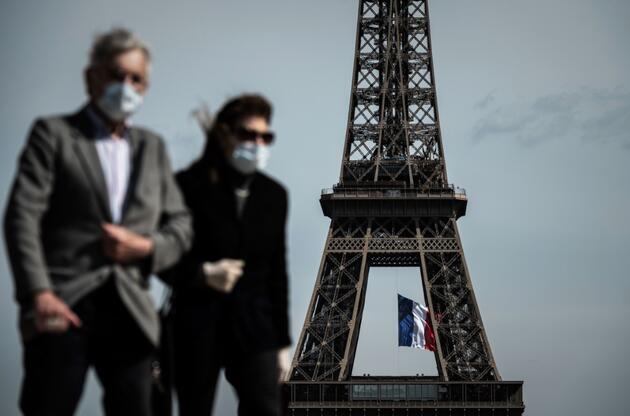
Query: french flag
[[414, 325]]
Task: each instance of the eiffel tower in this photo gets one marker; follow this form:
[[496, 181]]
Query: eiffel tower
[[394, 207]]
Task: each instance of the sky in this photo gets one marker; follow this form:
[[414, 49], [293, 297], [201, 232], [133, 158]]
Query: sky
[[534, 101]]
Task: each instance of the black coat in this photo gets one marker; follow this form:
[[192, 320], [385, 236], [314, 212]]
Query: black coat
[[254, 316]]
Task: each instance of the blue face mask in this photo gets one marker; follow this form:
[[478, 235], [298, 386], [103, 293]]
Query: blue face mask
[[119, 101], [247, 157]]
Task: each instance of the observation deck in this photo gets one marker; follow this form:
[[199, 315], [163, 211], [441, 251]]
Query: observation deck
[[343, 201], [398, 395]]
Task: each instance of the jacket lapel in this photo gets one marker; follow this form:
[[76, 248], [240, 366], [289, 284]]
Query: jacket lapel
[[250, 222], [251, 201], [88, 157], [137, 151]]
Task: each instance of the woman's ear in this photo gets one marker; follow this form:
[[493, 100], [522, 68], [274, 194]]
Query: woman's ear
[[88, 78], [225, 138]]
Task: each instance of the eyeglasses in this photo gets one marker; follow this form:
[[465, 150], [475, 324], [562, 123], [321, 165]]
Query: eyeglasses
[[248, 135]]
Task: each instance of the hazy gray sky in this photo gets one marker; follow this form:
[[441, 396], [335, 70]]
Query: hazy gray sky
[[534, 100]]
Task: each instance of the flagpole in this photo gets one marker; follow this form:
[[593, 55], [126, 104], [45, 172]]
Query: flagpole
[[396, 347]]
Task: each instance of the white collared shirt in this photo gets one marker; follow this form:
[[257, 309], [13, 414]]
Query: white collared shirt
[[115, 156]]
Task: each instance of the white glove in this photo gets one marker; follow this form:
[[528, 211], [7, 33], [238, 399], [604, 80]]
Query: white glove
[[284, 364], [223, 274]]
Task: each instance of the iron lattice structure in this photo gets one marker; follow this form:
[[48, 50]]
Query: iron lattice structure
[[393, 206], [393, 131]]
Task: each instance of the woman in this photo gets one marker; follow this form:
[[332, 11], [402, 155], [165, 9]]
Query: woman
[[231, 289]]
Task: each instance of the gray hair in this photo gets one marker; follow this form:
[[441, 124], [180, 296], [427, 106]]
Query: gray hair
[[109, 44]]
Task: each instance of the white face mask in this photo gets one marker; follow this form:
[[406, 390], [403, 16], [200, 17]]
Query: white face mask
[[249, 156], [119, 101], [262, 156]]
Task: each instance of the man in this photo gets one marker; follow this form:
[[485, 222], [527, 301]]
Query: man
[[93, 212], [231, 289]]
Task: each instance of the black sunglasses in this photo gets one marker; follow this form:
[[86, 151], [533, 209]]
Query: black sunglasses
[[248, 135]]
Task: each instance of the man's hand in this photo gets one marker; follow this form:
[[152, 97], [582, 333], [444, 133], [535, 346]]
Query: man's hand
[[52, 314], [223, 274], [284, 364], [124, 246]]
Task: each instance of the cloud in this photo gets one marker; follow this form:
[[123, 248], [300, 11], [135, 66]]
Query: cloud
[[590, 115], [485, 102]]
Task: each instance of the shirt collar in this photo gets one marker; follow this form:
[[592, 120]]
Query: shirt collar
[[98, 125]]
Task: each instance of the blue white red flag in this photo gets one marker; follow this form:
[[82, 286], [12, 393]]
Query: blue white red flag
[[414, 325]]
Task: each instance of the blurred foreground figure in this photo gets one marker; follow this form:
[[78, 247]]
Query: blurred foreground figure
[[230, 290], [93, 212]]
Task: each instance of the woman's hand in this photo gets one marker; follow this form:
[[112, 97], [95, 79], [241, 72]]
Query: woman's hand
[[284, 364], [223, 274]]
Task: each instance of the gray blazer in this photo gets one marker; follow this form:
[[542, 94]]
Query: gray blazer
[[59, 200]]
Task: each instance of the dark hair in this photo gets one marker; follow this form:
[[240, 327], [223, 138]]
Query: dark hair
[[234, 112], [239, 108]]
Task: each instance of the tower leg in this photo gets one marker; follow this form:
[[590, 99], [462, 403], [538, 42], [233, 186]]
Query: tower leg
[[463, 349], [327, 344]]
